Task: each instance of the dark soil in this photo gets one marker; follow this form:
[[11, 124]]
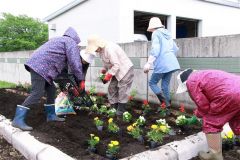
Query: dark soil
[[7, 152], [71, 136]]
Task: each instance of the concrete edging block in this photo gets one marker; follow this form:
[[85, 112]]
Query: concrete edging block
[[190, 146], [27, 144], [161, 153], [52, 153], [7, 130]]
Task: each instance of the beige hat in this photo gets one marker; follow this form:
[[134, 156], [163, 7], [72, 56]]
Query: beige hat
[[87, 57], [154, 22], [182, 80], [94, 42]]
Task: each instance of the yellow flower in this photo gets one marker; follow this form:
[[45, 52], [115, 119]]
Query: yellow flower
[[230, 134], [130, 128], [163, 128], [92, 135], [154, 126], [96, 118], [110, 145], [110, 120], [97, 138], [134, 124], [115, 143]]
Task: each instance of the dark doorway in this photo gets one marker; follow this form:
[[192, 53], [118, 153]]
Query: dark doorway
[[141, 20], [186, 28]]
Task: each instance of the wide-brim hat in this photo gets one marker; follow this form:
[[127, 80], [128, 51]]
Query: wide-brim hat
[[182, 80], [94, 41], [87, 57], [154, 23]]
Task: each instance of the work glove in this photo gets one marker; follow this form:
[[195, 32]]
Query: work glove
[[149, 63], [82, 86], [107, 78]]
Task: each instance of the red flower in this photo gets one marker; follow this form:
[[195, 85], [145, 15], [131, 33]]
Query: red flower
[[182, 109], [163, 106], [145, 102], [130, 98]]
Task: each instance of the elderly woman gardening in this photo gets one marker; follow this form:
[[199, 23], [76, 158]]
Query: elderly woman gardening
[[163, 59], [118, 69], [217, 96], [46, 63]]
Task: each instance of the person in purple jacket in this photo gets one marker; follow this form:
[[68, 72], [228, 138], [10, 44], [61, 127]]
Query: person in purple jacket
[[46, 63], [217, 96]]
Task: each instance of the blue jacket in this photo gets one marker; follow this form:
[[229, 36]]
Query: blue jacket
[[50, 59], [164, 50]]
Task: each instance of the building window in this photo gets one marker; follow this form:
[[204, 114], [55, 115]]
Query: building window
[[186, 28], [141, 20]]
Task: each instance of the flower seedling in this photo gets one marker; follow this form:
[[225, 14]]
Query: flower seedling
[[134, 130], [162, 110], [182, 108], [181, 120], [93, 141], [228, 140], [146, 107], [103, 109], [112, 127], [98, 122], [111, 112], [141, 121], [94, 108], [127, 117], [131, 102], [113, 148], [155, 134]]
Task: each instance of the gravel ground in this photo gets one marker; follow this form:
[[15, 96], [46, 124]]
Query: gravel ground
[[7, 152]]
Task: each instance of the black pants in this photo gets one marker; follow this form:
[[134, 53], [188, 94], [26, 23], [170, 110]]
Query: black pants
[[39, 87]]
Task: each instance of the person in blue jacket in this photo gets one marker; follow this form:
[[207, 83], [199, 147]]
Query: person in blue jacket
[[163, 59]]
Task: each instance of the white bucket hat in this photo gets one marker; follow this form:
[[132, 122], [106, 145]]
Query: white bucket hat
[[182, 80], [87, 57], [94, 42], [154, 22]]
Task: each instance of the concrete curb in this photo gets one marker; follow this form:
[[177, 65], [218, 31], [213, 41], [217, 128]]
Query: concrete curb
[[32, 149], [27, 145], [177, 150]]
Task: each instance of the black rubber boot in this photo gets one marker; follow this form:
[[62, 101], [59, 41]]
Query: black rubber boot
[[121, 109], [115, 105], [161, 98]]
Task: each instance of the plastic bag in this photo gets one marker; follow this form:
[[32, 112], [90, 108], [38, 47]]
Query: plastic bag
[[63, 105]]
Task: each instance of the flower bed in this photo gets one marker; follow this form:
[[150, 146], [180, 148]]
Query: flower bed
[[72, 136]]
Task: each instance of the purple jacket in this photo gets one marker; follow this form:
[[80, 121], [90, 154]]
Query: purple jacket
[[214, 92], [49, 59]]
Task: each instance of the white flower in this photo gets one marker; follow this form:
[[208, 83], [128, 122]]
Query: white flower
[[161, 121]]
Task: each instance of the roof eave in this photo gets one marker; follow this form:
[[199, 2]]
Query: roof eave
[[63, 10]]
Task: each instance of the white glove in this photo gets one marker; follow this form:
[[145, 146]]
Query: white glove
[[149, 63], [146, 68]]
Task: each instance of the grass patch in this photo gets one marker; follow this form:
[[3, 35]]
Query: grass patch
[[4, 84]]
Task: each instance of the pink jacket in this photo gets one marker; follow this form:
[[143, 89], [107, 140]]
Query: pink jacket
[[214, 92], [115, 60]]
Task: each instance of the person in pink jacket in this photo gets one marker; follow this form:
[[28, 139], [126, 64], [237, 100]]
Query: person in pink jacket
[[118, 70], [217, 96]]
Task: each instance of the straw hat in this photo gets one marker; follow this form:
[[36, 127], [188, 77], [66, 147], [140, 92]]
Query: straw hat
[[154, 22], [94, 42], [87, 57], [182, 80]]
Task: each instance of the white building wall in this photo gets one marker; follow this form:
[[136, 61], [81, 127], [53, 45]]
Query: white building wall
[[91, 17], [114, 19], [215, 19]]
